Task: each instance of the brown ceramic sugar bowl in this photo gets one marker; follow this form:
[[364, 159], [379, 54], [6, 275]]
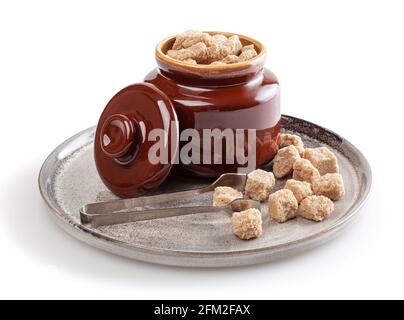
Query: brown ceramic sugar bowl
[[177, 96], [242, 95]]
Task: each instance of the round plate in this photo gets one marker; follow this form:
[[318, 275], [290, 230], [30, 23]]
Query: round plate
[[68, 180]]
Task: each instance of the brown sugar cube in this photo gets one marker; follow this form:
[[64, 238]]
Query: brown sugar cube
[[259, 184], [217, 51], [316, 208], [231, 58], [197, 52], [330, 185], [287, 139], [220, 49], [247, 224], [284, 161], [247, 53], [223, 196], [234, 45], [248, 47], [282, 205], [323, 159], [220, 38], [303, 170], [189, 38], [300, 189], [227, 60]]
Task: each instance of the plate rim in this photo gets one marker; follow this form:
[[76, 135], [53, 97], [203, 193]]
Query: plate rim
[[73, 227]]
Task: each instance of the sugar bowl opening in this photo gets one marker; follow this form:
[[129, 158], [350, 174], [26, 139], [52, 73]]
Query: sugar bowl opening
[[209, 71]]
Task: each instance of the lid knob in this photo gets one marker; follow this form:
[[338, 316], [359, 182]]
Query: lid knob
[[118, 135]]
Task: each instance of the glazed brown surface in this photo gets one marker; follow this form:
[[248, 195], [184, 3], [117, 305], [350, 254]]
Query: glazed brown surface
[[120, 147], [237, 96]]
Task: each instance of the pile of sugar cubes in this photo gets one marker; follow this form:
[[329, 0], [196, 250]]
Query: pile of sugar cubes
[[197, 47], [315, 184]]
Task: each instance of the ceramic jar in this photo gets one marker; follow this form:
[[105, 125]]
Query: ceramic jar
[[235, 96]]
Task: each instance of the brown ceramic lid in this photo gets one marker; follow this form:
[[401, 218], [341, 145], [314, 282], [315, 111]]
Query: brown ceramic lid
[[121, 143]]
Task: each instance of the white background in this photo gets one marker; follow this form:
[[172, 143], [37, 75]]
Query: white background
[[340, 64]]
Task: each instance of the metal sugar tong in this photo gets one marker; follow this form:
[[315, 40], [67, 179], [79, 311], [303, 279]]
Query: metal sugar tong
[[135, 209]]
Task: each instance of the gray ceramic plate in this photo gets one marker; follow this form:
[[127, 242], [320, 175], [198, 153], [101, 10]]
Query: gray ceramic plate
[[69, 180]]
